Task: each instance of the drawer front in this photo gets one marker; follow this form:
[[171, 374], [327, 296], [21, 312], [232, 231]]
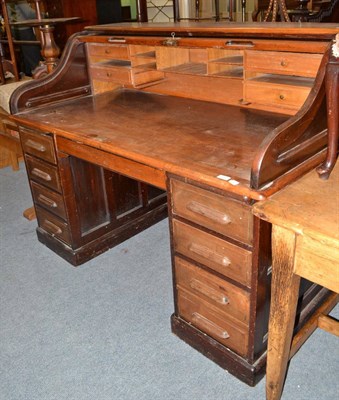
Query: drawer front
[[121, 75], [283, 63], [227, 297], [213, 211], [53, 225], [108, 51], [277, 95], [221, 256], [43, 173], [38, 145], [212, 322], [142, 77], [49, 200]]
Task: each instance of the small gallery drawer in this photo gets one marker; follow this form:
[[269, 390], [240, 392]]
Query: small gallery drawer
[[109, 73], [108, 51], [48, 199], [38, 145], [53, 225], [276, 95], [142, 77], [43, 173], [213, 211], [301, 64], [211, 321], [218, 254], [220, 293]]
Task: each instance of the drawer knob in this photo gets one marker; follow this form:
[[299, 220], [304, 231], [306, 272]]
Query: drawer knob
[[35, 145], [209, 326], [41, 174], [209, 254], [54, 229], [108, 74], [282, 97], [283, 63], [214, 215], [48, 202], [209, 292]]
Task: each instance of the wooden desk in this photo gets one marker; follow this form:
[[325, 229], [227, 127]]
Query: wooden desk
[[305, 218], [189, 120]]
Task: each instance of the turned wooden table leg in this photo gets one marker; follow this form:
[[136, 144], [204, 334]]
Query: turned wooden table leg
[[284, 298]]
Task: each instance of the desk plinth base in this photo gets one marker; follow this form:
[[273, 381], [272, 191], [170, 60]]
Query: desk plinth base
[[105, 242], [221, 355]]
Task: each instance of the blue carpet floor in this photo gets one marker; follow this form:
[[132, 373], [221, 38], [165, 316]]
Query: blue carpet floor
[[102, 331]]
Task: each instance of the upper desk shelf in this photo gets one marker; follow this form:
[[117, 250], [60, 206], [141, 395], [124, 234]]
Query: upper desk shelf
[[267, 67]]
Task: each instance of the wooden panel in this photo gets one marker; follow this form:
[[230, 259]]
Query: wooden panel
[[219, 213], [43, 173], [213, 89], [53, 225], [311, 254], [115, 163], [218, 292], [49, 200], [38, 145], [211, 321], [217, 254]]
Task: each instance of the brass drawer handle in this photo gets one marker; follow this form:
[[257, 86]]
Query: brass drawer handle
[[116, 40], [239, 43], [108, 74], [206, 290], [214, 215], [35, 145], [56, 230], [209, 326], [282, 97], [41, 174], [48, 202], [210, 255], [283, 63]]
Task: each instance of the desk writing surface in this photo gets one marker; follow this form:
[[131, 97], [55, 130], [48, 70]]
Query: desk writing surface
[[165, 132]]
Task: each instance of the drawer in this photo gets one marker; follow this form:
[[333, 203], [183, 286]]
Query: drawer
[[38, 145], [108, 51], [49, 200], [111, 74], [275, 95], [301, 64], [43, 173], [53, 225], [212, 322], [213, 211], [221, 256], [141, 77], [226, 297]]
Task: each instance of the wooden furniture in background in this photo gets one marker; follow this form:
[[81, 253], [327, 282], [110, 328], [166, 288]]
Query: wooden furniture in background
[[213, 114], [305, 243]]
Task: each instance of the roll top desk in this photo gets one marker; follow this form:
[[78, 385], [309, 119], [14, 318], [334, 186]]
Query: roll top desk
[[193, 121]]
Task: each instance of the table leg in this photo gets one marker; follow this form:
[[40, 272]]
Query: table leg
[[284, 298]]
